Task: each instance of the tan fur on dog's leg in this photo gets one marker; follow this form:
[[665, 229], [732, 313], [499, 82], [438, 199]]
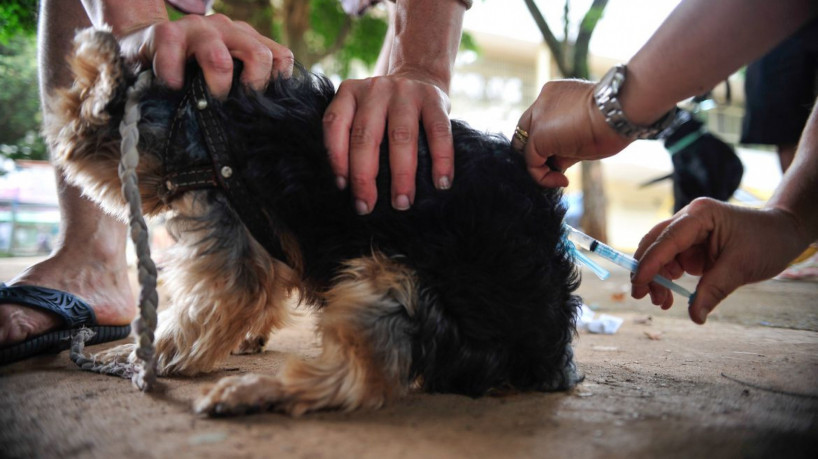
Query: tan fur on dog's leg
[[366, 356], [221, 281], [222, 285]]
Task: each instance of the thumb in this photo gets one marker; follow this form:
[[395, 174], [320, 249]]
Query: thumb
[[713, 287]]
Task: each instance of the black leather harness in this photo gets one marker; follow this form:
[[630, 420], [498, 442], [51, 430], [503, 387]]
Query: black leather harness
[[185, 171]]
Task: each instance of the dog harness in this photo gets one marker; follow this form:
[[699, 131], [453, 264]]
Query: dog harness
[[188, 169]]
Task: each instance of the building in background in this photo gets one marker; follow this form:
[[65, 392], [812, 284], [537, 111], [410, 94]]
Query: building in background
[[29, 212]]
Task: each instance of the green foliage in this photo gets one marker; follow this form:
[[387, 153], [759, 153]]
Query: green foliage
[[345, 39], [363, 44], [468, 43], [591, 18], [20, 118], [17, 17]]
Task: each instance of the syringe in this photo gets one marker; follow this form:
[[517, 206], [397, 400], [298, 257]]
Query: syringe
[[619, 258]]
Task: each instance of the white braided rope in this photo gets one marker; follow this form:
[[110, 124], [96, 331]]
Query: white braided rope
[[142, 372]]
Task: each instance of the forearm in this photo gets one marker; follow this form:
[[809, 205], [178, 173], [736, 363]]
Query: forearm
[[427, 36], [125, 16], [382, 65], [700, 44], [799, 187]]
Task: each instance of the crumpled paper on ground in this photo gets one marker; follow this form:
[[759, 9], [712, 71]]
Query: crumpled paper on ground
[[606, 324]]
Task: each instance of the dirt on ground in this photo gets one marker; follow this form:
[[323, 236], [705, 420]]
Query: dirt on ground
[[743, 385]]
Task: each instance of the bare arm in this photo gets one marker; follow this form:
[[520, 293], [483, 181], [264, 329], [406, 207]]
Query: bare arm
[[701, 43], [798, 190]]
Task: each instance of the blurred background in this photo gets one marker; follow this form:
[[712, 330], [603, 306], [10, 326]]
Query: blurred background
[[510, 48]]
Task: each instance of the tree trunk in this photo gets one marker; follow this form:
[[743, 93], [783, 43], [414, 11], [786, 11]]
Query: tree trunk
[[257, 13], [296, 23], [594, 218], [594, 215]]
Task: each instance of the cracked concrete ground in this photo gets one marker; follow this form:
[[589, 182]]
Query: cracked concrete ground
[[743, 385]]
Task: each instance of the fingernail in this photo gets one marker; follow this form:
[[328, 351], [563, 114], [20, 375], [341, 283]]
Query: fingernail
[[341, 183], [361, 207], [401, 202], [443, 183]]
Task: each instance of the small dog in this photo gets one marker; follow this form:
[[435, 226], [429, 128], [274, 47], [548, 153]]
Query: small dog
[[468, 291]]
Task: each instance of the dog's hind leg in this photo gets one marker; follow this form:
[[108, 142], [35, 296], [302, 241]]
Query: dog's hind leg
[[366, 332]]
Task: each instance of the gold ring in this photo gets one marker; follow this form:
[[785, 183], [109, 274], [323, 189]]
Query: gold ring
[[521, 135]]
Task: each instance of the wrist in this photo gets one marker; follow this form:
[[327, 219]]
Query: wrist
[[608, 96], [467, 3], [800, 234], [642, 101], [125, 20], [426, 40]]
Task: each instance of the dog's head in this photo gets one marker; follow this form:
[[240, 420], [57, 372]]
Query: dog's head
[[186, 137]]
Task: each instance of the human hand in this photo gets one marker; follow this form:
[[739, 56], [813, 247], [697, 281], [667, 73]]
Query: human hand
[[213, 41], [729, 246], [354, 125], [564, 126]]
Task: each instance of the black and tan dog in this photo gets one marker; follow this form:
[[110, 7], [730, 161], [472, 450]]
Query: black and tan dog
[[469, 290]]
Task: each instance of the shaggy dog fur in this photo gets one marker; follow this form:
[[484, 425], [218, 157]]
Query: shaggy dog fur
[[468, 291]]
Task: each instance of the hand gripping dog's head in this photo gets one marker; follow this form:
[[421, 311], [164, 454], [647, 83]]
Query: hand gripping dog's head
[[469, 290]]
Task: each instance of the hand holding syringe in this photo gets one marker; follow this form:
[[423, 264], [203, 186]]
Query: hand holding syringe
[[619, 258]]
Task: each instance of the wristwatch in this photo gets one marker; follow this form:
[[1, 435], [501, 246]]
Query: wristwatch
[[606, 96]]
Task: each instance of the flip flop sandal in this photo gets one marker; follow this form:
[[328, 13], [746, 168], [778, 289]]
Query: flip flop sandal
[[76, 314]]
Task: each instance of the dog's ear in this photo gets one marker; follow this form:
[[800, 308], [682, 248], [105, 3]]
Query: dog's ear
[[81, 122], [81, 113], [99, 74]]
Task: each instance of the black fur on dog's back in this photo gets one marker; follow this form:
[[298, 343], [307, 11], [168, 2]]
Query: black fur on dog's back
[[495, 302]]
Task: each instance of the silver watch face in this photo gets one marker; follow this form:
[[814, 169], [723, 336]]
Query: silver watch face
[[611, 82]]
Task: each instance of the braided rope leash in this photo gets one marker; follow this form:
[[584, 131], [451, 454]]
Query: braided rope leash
[[142, 372]]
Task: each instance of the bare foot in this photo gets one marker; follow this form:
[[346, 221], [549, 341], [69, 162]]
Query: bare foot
[[99, 279]]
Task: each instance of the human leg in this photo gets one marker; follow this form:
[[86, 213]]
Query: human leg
[[89, 258]]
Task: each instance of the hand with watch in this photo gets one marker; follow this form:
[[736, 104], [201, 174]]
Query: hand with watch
[[574, 120]]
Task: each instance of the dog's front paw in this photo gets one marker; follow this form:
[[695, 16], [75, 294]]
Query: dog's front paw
[[122, 354], [237, 395], [251, 344]]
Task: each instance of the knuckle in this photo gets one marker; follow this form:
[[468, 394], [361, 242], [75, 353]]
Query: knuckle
[[439, 129], [401, 136], [359, 181], [192, 19], [700, 205], [168, 33], [445, 156], [330, 118], [361, 136], [219, 19], [348, 86], [285, 55], [261, 55], [335, 156], [380, 83], [219, 60], [717, 292], [402, 179]]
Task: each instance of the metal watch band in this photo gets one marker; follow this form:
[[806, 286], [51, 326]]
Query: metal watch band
[[606, 96]]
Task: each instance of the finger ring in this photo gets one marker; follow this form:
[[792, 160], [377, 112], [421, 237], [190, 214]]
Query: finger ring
[[521, 134]]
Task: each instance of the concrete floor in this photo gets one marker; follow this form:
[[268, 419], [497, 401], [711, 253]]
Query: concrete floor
[[744, 385]]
